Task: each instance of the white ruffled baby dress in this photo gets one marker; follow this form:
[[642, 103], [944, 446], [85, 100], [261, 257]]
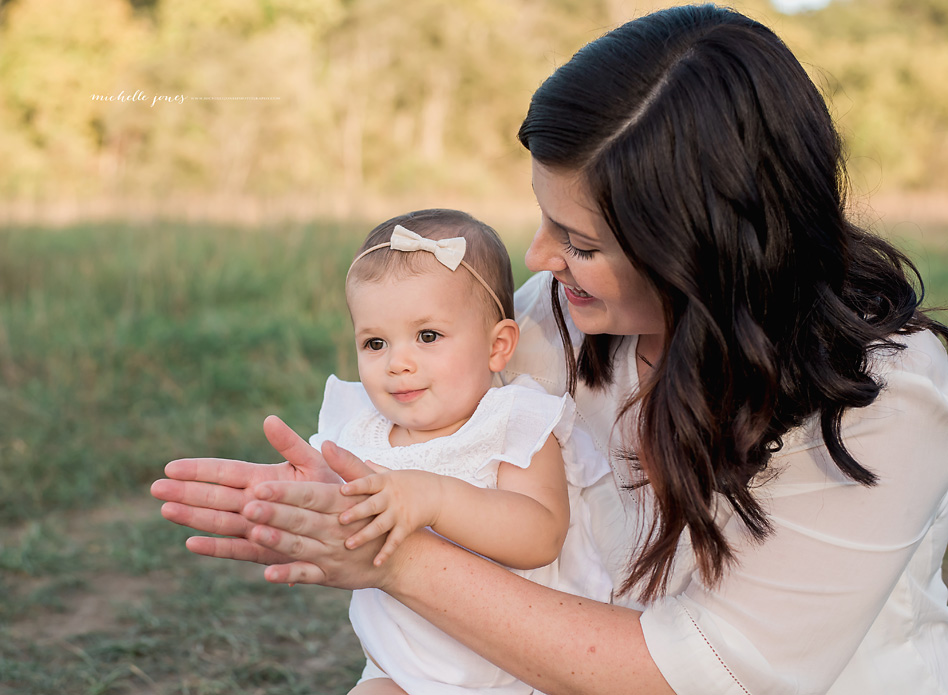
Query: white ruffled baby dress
[[511, 424]]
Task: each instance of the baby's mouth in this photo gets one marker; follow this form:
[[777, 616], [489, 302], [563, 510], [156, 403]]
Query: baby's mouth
[[407, 396]]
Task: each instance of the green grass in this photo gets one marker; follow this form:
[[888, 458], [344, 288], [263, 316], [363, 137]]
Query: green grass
[[117, 605], [122, 348]]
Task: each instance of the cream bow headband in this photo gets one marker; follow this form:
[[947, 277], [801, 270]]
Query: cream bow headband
[[449, 252]]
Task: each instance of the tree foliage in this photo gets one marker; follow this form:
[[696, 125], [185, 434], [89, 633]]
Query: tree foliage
[[338, 101]]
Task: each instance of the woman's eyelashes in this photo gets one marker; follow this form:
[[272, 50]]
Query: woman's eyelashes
[[576, 252]]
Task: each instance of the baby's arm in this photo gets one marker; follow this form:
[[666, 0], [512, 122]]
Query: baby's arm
[[520, 524]]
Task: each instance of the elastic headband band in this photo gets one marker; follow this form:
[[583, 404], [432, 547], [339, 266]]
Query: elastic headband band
[[449, 252]]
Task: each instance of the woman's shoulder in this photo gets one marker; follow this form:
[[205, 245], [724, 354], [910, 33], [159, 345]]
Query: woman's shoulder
[[922, 355], [912, 404]]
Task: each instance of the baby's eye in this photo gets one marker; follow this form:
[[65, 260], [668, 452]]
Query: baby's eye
[[428, 336], [374, 344]]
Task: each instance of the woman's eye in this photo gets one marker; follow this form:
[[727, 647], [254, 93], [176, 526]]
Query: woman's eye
[[579, 253], [428, 336], [374, 344]]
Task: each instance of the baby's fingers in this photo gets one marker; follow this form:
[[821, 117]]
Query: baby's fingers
[[379, 526], [395, 538], [369, 485], [370, 507]]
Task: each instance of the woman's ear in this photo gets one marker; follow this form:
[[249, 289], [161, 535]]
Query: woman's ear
[[504, 337]]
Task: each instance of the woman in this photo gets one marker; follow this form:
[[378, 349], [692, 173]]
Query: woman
[[774, 404]]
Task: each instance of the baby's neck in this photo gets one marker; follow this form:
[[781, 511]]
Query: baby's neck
[[402, 436]]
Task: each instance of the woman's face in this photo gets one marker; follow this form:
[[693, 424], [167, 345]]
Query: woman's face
[[605, 293]]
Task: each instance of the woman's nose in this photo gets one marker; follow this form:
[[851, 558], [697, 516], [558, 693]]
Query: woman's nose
[[545, 253]]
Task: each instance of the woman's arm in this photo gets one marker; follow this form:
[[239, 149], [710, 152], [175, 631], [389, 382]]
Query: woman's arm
[[520, 524], [556, 642]]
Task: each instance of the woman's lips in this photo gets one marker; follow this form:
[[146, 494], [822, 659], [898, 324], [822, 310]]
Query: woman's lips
[[577, 296], [407, 396]]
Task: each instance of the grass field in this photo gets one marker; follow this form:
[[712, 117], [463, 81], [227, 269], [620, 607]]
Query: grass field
[[122, 348]]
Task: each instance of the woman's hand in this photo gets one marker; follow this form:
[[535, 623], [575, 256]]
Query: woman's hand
[[299, 521], [209, 494]]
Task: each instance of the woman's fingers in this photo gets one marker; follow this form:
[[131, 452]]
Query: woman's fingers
[[305, 462], [206, 520], [318, 497], [328, 564], [195, 494], [288, 543], [295, 573], [376, 468], [303, 508], [346, 464], [234, 549], [235, 474]]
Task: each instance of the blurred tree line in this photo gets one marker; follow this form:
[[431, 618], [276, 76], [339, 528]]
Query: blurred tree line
[[335, 102]]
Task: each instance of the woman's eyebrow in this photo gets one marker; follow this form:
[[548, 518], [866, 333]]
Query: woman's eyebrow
[[573, 232]]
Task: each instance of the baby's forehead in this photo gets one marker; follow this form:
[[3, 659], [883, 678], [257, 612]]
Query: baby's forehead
[[431, 291]]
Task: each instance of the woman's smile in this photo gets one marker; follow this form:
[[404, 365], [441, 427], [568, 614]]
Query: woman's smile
[[576, 295]]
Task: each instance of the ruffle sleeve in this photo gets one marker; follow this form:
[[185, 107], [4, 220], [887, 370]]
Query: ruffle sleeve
[[533, 416], [342, 401]]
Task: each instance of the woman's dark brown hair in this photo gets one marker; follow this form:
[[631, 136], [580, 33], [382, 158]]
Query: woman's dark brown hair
[[715, 162]]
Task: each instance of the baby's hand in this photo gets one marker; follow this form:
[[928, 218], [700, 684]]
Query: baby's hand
[[401, 502]]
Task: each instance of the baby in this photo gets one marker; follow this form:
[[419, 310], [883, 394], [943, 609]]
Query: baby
[[493, 469]]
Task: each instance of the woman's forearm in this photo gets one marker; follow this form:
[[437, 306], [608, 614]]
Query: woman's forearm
[[554, 641]]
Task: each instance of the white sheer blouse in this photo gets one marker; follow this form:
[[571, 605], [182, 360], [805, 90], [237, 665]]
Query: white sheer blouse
[[846, 597]]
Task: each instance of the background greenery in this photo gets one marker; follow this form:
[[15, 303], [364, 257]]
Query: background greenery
[[375, 100]]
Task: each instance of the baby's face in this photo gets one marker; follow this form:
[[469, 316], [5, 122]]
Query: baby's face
[[423, 345]]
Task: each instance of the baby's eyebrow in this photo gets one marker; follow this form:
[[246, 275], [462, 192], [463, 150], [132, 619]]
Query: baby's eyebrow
[[417, 323], [426, 320]]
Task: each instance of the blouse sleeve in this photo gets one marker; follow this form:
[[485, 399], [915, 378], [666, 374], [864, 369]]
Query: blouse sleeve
[[791, 613]]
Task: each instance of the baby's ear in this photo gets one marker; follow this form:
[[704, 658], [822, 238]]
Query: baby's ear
[[504, 337]]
